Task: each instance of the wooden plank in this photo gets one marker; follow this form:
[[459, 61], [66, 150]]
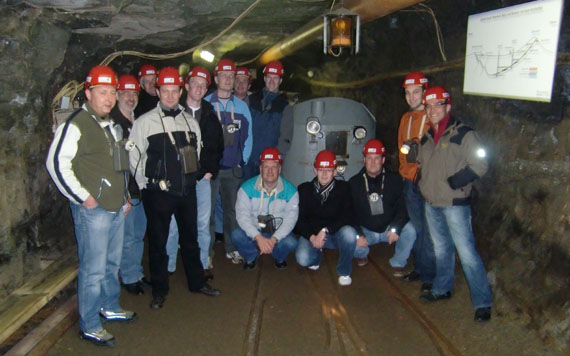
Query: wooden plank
[[16, 310], [45, 335], [51, 280]]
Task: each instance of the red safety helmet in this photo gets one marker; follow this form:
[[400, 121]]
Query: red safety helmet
[[274, 67], [147, 69], [374, 146], [325, 159], [437, 93], [224, 65], [169, 76], [271, 154], [199, 72], [128, 82], [243, 71], [415, 78], [101, 75]]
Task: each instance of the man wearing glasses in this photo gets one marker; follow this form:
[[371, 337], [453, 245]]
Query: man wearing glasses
[[451, 158]]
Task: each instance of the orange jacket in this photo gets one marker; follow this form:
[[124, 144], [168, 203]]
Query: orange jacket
[[409, 170]]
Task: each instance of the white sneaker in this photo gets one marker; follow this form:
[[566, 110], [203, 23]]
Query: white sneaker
[[344, 280], [314, 268], [235, 257]]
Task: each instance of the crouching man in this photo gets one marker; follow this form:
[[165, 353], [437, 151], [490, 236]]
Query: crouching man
[[325, 209], [379, 209], [267, 208]]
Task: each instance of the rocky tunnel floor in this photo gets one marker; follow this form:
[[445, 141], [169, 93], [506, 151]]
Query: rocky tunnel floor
[[297, 311]]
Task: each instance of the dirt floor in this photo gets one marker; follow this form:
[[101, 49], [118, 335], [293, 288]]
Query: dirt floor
[[301, 312]]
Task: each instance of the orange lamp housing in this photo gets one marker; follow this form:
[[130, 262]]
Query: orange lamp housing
[[341, 30]]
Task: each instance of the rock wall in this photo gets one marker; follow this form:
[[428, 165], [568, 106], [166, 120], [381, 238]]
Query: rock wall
[[521, 210]]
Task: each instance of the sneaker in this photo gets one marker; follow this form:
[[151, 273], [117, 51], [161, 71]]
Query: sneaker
[[412, 276], [99, 338], [248, 266], [235, 257], [134, 288], [280, 265], [398, 272], [483, 314], [344, 280], [432, 297], [314, 267], [208, 290], [157, 302], [426, 287], [361, 262], [121, 315]]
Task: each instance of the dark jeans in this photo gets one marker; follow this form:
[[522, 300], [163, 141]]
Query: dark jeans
[[159, 207], [226, 184], [424, 256]]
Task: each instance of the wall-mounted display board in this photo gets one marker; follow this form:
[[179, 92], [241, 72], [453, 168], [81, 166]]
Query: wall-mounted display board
[[511, 52]]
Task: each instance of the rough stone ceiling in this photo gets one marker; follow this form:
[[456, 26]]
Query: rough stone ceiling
[[172, 25]]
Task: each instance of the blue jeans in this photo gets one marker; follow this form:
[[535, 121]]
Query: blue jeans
[[403, 245], [247, 246], [424, 257], [450, 227], [131, 269], [203, 201], [99, 235], [344, 240]]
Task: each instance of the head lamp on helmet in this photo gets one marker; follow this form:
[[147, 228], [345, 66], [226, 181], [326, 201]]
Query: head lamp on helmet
[[374, 146], [325, 159], [147, 69], [224, 65], [415, 78], [169, 76], [128, 82], [101, 75], [271, 154], [437, 93], [274, 67], [199, 72]]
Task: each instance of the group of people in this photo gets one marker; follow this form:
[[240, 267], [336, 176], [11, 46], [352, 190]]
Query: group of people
[[157, 162]]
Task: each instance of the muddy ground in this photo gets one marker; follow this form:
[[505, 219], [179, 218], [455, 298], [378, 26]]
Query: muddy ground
[[300, 312]]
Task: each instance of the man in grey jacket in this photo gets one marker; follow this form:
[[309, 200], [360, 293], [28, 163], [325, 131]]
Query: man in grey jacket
[[267, 208], [451, 158]]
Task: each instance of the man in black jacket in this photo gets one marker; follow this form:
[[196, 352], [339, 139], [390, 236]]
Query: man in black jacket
[[325, 218], [379, 209], [196, 84]]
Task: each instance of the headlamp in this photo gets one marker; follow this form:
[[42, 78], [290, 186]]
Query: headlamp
[[481, 153], [313, 126], [130, 145], [359, 133], [405, 149]]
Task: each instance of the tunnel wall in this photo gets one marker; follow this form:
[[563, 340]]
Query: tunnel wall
[[521, 209]]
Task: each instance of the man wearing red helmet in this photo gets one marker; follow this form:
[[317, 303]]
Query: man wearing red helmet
[[148, 97], [267, 208], [451, 158], [413, 126], [131, 270], [165, 166], [267, 107], [196, 84], [242, 84], [379, 209], [235, 118], [84, 172], [325, 209]]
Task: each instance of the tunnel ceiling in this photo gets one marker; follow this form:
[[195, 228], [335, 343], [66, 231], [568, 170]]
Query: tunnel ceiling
[[168, 26]]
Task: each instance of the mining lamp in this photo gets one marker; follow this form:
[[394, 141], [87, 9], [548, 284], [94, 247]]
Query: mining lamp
[[313, 126], [341, 30], [359, 133]]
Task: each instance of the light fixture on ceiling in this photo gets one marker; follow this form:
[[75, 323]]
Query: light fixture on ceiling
[[341, 30], [207, 56]]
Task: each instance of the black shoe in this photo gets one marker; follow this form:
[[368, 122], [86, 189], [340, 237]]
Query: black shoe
[[432, 297], [135, 288], [281, 265], [247, 266], [412, 276], [208, 275], [208, 290], [145, 282], [157, 302], [483, 314], [426, 287]]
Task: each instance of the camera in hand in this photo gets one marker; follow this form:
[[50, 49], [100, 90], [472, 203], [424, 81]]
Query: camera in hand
[[410, 149]]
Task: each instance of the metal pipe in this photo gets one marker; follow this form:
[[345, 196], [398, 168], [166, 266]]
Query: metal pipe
[[367, 9]]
